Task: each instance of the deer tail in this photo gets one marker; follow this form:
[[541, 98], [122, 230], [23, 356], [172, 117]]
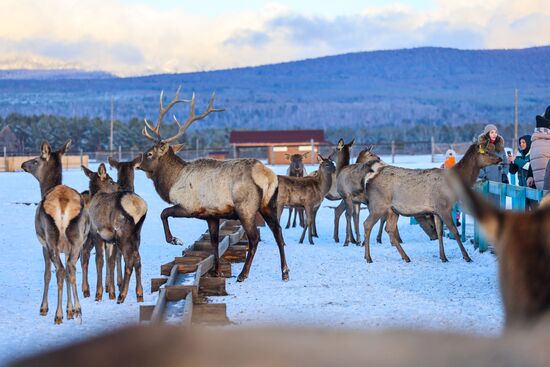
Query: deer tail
[[266, 180]]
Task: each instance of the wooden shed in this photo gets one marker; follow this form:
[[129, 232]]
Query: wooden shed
[[277, 143]]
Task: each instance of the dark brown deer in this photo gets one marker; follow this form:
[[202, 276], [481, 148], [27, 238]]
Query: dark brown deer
[[522, 244], [62, 226], [117, 217], [210, 189], [296, 169], [306, 192], [394, 191]]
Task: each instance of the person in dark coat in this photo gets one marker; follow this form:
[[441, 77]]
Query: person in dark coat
[[547, 177], [492, 142], [540, 148], [521, 164]]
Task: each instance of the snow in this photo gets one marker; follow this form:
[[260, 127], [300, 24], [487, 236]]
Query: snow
[[330, 285]]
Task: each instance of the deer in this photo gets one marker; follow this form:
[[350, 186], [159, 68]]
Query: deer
[[394, 191], [306, 192], [62, 225], [211, 189], [296, 169], [117, 217], [522, 245]]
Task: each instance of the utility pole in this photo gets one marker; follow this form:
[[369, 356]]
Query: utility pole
[[516, 124], [112, 119]]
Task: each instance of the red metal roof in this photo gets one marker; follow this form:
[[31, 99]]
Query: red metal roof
[[276, 136]]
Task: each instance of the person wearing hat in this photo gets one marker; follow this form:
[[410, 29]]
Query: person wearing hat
[[491, 141], [540, 148], [521, 163]]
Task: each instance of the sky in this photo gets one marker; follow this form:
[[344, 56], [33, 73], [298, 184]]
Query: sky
[[142, 37]]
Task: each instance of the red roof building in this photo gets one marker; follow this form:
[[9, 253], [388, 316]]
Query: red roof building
[[277, 143]]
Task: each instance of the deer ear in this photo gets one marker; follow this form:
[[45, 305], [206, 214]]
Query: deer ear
[[340, 144], [87, 171], [46, 150], [102, 171], [113, 162], [351, 142], [65, 147], [305, 155], [287, 156], [177, 147], [320, 158], [137, 161]]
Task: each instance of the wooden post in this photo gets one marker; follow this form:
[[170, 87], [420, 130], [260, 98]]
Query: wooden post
[[516, 122], [119, 153], [393, 151], [5, 159], [433, 149], [312, 151], [81, 157]]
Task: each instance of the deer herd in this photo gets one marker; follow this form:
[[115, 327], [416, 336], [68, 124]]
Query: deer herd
[[110, 216]]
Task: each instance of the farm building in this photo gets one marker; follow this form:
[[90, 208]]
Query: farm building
[[276, 143]]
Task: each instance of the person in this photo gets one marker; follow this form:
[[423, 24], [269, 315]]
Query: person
[[490, 140], [521, 164], [547, 177], [540, 148], [450, 161]]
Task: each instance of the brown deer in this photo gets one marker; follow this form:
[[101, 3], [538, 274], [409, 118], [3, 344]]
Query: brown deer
[[62, 226], [296, 169], [522, 244], [394, 191], [306, 192], [210, 189], [117, 217]]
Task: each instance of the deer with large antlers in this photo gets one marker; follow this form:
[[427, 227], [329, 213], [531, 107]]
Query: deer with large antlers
[[210, 189]]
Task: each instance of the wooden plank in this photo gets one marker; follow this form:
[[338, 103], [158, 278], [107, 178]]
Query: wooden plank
[[166, 268], [214, 286], [187, 260], [201, 254], [156, 283], [158, 311], [236, 253], [204, 267], [145, 312], [211, 314], [188, 310], [179, 292]]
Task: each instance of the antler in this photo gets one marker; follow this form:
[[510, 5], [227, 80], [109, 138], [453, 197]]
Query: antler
[[162, 113], [192, 118]]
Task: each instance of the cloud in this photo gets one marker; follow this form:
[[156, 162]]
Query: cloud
[[136, 38]]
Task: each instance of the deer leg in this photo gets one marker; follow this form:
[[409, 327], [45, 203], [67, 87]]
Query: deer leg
[[391, 227], [175, 211], [111, 276], [309, 223], [296, 212], [84, 262], [268, 213], [315, 210], [439, 230], [71, 267], [356, 210], [447, 219], [139, 287], [374, 216], [118, 267], [301, 215], [99, 259], [60, 275], [337, 214], [125, 247], [379, 235], [70, 310], [349, 214], [47, 277], [251, 231], [289, 218], [214, 230], [108, 253]]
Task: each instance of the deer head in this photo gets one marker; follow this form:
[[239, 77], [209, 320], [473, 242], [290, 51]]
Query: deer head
[[100, 181], [125, 171], [486, 158], [297, 161], [325, 165], [161, 145], [47, 166], [341, 144]]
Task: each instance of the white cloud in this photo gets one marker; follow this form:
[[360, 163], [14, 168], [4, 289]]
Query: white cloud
[[130, 39]]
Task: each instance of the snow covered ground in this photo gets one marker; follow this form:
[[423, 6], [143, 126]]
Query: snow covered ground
[[329, 285]]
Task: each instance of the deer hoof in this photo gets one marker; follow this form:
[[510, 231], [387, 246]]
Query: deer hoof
[[111, 296], [336, 239], [43, 311], [407, 260], [140, 298], [98, 297], [77, 313], [369, 260], [86, 293], [176, 241], [58, 320], [444, 260], [120, 299], [70, 315], [241, 278], [468, 259], [285, 276]]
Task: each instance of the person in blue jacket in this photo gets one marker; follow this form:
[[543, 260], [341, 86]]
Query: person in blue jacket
[[521, 164]]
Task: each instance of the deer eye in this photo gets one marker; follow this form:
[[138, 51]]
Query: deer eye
[[150, 155]]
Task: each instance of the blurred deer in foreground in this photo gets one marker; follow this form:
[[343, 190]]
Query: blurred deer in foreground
[[522, 244], [117, 217], [210, 189], [62, 226], [296, 169]]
